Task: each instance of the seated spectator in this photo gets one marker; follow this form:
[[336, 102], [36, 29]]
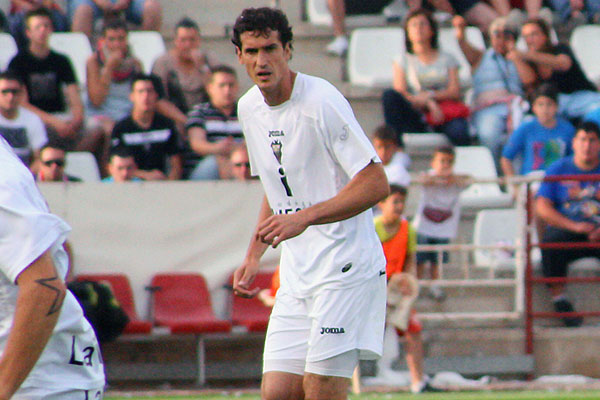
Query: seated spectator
[[45, 74], [556, 64], [541, 140], [21, 128], [83, 13], [395, 162], [16, 18], [213, 127], [121, 166], [572, 13], [570, 208], [497, 88], [240, 163], [184, 70], [426, 89], [149, 136], [52, 165], [109, 72]]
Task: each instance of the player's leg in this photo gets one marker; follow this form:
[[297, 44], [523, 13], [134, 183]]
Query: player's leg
[[277, 385]]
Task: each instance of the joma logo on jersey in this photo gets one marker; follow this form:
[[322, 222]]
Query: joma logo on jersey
[[332, 330], [276, 133]]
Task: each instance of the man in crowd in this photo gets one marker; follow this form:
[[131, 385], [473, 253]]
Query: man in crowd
[[52, 163], [239, 163], [121, 166]]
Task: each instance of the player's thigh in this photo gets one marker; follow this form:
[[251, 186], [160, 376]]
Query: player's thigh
[[320, 387], [277, 385], [49, 394]]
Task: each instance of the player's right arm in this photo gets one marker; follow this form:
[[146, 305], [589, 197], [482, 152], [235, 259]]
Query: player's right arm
[[244, 275], [39, 301]]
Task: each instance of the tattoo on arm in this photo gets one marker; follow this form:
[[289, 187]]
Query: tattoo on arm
[[58, 300]]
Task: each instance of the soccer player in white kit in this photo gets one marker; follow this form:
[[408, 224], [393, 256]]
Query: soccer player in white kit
[[321, 177], [48, 350]]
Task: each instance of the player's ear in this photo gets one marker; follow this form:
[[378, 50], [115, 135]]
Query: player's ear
[[238, 53]]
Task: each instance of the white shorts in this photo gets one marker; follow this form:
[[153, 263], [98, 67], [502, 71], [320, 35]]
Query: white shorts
[[309, 330], [58, 394]]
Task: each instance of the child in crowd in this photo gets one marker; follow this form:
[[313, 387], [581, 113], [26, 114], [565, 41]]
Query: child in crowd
[[399, 242], [438, 213], [394, 160]]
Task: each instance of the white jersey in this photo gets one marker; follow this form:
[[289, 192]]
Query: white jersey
[[305, 151], [71, 359], [26, 133]]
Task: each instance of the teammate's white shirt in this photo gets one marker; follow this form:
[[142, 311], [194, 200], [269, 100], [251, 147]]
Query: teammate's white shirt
[[27, 229], [26, 124], [305, 151]]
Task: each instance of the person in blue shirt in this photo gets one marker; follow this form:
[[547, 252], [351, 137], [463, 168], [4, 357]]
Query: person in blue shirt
[[571, 208], [121, 166], [541, 140]]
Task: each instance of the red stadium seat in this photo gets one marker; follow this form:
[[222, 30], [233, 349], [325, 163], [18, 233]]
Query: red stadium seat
[[182, 303], [252, 313], [124, 295]]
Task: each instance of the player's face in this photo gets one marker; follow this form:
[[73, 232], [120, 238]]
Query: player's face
[[38, 29], [265, 59], [385, 150], [116, 40], [143, 96], [545, 109], [586, 149], [222, 89], [393, 205], [10, 95], [52, 165], [240, 166], [534, 37], [122, 169], [442, 163]]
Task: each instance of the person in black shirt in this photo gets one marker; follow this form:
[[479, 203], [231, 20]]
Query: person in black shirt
[[149, 136]]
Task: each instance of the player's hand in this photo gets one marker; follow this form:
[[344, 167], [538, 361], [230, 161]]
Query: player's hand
[[243, 278], [278, 228]]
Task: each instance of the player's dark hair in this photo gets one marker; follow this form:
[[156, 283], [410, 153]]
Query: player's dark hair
[[432, 24], [114, 24], [589, 127], [38, 12], [546, 90], [385, 132], [399, 189], [262, 20], [9, 75], [445, 149], [223, 68], [187, 23]]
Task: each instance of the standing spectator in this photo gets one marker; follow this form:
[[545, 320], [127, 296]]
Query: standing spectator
[[570, 208], [16, 18], [185, 69], [542, 140], [426, 85], [21, 128], [438, 212], [121, 166], [151, 137], [83, 13], [557, 64], [52, 165], [240, 163], [45, 74], [213, 127], [395, 162], [498, 79]]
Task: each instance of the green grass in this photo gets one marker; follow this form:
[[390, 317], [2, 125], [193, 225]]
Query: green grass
[[483, 395]]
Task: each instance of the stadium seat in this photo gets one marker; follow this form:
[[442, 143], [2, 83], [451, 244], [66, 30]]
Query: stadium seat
[[423, 143], [182, 303], [448, 43], [83, 165], [586, 46], [317, 12], [252, 313], [371, 53], [124, 295], [147, 46], [76, 46], [477, 162], [9, 49]]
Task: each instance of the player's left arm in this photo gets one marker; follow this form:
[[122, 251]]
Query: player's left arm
[[39, 301], [365, 189]]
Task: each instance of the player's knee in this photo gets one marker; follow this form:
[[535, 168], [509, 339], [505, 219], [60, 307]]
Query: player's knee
[[322, 387]]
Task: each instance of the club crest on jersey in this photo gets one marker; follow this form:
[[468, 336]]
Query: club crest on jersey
[[276, 147]]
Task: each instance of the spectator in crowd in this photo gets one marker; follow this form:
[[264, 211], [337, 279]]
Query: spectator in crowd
[[52, 165], [497, 83], [570, 208], [45, 73], [571, 13], [240, 163], [438, 212], [149, 136], [16, 18], [539, 141], [557, 64], [121, 166], [185, 69], [395, 162], [213, 127], [399, 241], [83, 13], [21, 128], [426, 89], [109, 71]]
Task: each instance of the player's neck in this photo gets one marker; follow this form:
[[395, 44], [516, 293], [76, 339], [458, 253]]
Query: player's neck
[[282, 92]]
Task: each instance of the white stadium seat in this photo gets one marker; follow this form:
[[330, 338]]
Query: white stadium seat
[[8, 49], [76, 46], [317, 12], [147, 46], [82, 165], [585, 43]]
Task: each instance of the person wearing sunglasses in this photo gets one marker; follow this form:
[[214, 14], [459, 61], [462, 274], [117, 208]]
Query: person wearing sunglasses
[[52, 165], [240, 164], [21, 128]]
